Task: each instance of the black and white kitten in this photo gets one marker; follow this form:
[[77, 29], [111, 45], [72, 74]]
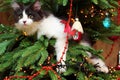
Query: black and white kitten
[[32, 19]]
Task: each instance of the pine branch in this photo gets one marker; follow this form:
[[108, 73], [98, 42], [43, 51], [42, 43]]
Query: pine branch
[[52, 75], [3, 46]]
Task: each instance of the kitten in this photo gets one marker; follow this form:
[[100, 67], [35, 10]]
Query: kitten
[[32, 19]]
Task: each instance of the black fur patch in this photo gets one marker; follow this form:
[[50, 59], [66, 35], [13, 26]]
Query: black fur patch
[[29, 10]]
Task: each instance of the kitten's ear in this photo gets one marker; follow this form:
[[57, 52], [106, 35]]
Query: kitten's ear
[[15, 5], [37, 5]]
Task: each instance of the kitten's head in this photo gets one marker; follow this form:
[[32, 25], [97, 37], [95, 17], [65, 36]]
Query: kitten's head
[[27, 14]]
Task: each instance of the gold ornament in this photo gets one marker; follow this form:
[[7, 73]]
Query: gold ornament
[[25, 33]]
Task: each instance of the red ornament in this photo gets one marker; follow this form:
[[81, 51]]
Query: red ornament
[[118, 78], [113, 38], [77, 36], [118, 67]]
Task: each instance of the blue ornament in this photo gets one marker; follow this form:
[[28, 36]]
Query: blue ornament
[[107, 22]]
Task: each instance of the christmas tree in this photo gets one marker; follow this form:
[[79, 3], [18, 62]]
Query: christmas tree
[[24, 57]]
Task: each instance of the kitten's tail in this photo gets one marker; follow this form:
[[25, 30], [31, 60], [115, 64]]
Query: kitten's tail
[[94, 60]]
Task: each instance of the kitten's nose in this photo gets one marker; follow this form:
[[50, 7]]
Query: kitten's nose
[[24, 22]]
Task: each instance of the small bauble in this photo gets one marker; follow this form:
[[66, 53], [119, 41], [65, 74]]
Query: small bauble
[[118, 78], [77, 30], [113, 38], [118, 67], [77, 36], [106, 22]]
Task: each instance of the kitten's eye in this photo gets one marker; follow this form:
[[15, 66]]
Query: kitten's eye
[[20, 16], [30, 16]]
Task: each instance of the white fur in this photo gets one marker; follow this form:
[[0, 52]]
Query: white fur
[[25, 18], [100, 65], [52, 27]]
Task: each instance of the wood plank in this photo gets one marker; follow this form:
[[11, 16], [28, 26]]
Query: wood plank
[[110, 55], [6, 18]]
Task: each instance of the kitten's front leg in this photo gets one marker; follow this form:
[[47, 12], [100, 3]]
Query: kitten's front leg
[[61, 49], [39, 34]]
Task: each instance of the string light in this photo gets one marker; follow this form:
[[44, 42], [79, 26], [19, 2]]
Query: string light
[[86, 16], [91, 74], [81, 11], [75, 74]]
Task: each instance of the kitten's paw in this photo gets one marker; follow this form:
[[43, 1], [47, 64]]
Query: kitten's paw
[[61, 67], [102, 68], [100, 65]]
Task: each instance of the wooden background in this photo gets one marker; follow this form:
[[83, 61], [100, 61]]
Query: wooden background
[[6, 18], [110, 51], [111, 60]]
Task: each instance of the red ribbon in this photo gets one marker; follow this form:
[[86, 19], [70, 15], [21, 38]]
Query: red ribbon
[[67, 25], [68, 28]]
